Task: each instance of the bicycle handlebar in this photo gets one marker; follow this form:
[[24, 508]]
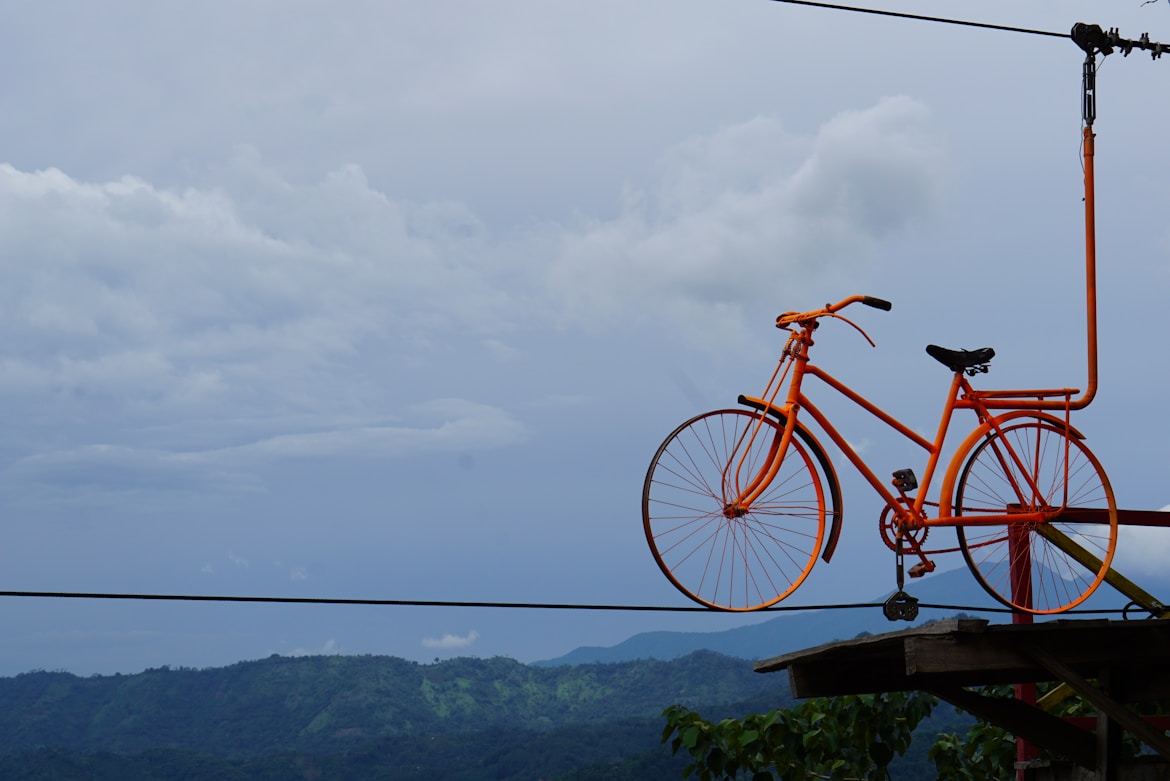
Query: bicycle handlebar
[[788, 318]]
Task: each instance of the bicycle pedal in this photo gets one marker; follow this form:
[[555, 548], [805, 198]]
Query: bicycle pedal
[[904, 480], [921, 568]]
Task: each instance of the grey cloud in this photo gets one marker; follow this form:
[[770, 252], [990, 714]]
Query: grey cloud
[[752, 203], [121, 285], [100, 474], [458, 426], [872, 172], [444, 426]]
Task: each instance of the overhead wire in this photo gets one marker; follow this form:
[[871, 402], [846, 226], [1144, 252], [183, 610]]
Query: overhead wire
[[489, 604], [921, 18]]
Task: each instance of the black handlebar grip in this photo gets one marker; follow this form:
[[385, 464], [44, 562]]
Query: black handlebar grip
[[877, 303]]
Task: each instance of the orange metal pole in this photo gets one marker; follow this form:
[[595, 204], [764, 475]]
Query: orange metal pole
[[1090, 270]]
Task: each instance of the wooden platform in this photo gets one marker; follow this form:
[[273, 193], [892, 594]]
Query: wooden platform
[[1127, 661]]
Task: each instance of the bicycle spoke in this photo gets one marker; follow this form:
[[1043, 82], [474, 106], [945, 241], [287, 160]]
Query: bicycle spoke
[[1034, 467], [714, 550]]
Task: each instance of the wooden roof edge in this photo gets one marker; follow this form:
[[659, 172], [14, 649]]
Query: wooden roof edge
[[881, 644], [946, 626]]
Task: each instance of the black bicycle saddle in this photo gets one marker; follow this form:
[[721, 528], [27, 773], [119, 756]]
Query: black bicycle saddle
[[959, 360]]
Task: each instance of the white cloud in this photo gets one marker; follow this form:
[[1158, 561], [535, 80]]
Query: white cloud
[[752, 207], [450, 642], [1142, 550]]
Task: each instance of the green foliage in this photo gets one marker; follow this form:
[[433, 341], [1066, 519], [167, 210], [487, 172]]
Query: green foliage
[[62, 765], [985, 750], [982, 754], [654, 764], [849, 737], [853, 737], [614, 752], [374, 718]]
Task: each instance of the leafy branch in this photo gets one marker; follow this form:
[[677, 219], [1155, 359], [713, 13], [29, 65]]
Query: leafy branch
[[837, 738]]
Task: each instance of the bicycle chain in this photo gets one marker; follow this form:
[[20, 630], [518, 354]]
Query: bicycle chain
[[886, 530]]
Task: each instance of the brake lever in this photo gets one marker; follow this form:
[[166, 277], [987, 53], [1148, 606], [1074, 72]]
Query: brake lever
[[855, 326]]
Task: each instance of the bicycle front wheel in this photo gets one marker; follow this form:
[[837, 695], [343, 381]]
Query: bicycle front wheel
[[1045, 567], [719, 555]]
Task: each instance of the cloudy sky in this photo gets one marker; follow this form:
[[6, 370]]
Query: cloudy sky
[[396, 300]]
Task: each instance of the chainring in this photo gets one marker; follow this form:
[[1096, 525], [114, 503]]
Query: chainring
[[889, 532]]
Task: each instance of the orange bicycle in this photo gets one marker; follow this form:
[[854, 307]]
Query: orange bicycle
[[736, 502]]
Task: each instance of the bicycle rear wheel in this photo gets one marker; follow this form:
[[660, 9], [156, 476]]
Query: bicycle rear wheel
[[1047, 567], [718, 556]]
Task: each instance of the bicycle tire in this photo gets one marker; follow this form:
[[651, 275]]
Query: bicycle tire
[[1049, 580], [728, 562]]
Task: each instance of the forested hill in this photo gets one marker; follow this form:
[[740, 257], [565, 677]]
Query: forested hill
[[358, 706]]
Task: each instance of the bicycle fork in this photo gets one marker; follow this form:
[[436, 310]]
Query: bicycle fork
[[737, 501]]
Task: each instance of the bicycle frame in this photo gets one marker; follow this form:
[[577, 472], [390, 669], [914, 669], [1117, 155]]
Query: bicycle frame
[[960, 396], [1033, 403]]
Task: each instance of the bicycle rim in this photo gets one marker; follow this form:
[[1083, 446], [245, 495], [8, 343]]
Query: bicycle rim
[[1030, 566], [722, 559]]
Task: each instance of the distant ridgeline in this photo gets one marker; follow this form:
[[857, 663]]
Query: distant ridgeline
[[368, 717], [786, 632]]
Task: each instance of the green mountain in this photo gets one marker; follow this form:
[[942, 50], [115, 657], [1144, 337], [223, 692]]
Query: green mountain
[[366, 717]]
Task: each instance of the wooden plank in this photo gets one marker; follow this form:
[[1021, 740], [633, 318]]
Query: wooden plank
[[931, 655], [873, 644], [1080, 644], [1114, 578], [1143, 518], [951, 653], [947, 657], [1115, 710], [1024, 721], [827, 678], [1124, 517]]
